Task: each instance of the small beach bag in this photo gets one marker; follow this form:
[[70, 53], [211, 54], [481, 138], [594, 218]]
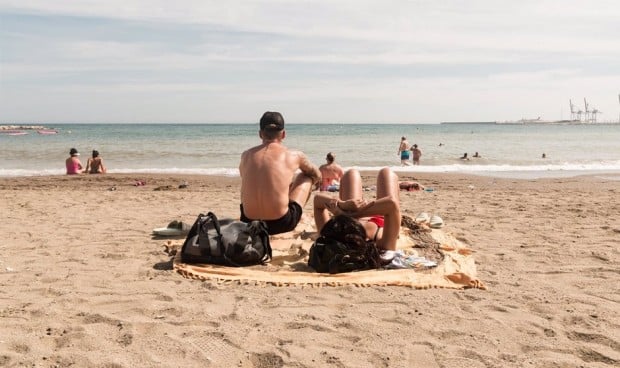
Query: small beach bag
[[226, 242], [342, 247]]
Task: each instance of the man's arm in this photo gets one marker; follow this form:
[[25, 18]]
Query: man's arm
[[241, 163], [309, 169]]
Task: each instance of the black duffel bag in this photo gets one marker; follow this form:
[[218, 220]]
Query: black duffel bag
[[226, 242]]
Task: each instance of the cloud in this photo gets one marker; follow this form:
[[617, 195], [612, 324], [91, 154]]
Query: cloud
[[403, 59]]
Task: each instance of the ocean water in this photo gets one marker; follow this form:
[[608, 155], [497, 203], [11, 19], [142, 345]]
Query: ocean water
[[214, 149]]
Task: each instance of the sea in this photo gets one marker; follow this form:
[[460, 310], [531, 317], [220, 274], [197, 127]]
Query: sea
[[506, 150]]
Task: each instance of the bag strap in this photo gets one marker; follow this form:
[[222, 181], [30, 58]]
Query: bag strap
[[218, 247], [216, 222]]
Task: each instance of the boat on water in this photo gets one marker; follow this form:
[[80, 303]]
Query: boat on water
[[47, 131], [539, 122], [13, 132]]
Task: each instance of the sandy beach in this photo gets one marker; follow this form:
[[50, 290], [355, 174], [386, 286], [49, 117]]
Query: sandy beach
[[85, 284]]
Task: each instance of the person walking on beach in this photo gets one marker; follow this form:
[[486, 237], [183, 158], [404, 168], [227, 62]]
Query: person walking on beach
[[380, 218], [417, 153], [94, 165], [270, 188], [403, 151], [73, 164], [331, 173]]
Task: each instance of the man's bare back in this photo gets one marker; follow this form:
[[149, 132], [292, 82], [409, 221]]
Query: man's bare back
[[268, 177], [267, 172]]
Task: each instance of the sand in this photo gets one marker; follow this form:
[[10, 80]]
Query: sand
[[84, 284]]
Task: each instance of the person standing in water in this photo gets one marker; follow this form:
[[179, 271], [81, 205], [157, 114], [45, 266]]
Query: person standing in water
[[403, 151], [417, 153]]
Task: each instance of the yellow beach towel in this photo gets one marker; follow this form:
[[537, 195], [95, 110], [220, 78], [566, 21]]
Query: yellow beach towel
[[456, 267]]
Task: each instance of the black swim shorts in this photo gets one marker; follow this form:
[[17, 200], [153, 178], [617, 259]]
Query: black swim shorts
[[286, 223]]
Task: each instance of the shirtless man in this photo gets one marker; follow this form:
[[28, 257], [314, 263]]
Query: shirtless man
[[270, 189], [403, 151], [331, 172], [95, 165]]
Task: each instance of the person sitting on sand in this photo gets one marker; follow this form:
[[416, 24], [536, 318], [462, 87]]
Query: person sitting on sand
[[476, 155], [94, 165], [465, 158], [73, 164], [381, 218], [270, 189], [331, 173]]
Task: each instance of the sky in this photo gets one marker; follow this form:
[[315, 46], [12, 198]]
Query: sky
[[387, 61]]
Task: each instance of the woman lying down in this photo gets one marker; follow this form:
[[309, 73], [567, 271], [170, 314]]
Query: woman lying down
[[380, 218]]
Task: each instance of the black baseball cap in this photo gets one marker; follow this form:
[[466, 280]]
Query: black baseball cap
[[272, 120]]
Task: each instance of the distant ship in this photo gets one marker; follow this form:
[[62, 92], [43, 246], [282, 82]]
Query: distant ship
[[519, 122], [538, 120]]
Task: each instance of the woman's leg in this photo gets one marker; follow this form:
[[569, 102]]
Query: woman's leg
[[388, 190], [387, 184], [350, 190], [387, 204], [351, 185]]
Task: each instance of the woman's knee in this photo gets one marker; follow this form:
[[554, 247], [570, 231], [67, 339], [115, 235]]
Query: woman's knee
[[350, 174], [387, 184]]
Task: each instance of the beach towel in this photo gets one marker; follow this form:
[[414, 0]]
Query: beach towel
[[456, 268]]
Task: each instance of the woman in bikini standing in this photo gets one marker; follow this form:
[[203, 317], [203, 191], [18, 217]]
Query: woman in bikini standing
[[381, 218]]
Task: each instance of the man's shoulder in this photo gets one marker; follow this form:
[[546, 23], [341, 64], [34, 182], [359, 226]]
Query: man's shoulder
[[257, 148], [270, 151]]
